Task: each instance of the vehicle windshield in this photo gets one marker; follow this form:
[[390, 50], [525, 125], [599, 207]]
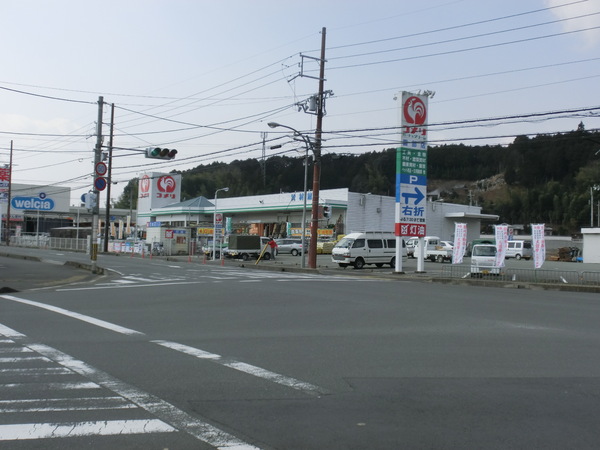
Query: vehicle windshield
[[484, 250], [345, 243]]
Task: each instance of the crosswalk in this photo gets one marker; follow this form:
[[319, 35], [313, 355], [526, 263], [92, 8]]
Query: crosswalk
[[191, 276], [47, 394], [32, 387]]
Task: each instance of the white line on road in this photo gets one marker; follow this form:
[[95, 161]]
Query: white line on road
[[172, 418], [125, 286], [103, 428], [74, 315], [246, 368]]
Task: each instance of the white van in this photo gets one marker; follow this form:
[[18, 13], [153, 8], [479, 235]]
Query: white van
[[358, 249], [483, 260], [519, 249]]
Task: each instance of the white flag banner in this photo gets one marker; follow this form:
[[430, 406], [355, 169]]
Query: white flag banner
[[539, 244], [501, 244], [460, 243]]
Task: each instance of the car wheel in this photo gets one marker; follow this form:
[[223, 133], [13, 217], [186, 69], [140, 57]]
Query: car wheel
[[294, 252], [359, 263], [518, 257], [267, 256], [393, 263], [440, 259], [245, 257]]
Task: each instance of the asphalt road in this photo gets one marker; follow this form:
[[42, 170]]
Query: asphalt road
[[168, 354]]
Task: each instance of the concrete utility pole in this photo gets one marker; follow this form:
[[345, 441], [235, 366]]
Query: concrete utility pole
[[96, 206], [314, 224], [109, 177]]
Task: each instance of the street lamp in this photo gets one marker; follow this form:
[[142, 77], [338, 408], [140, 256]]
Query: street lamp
[[225, 189], [308, 145]]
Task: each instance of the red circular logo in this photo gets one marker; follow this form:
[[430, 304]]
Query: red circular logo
[[415, 112], [145, 184], [167, 184]]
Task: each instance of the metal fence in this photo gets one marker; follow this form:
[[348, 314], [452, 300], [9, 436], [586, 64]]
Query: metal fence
[[45, 241], [547, 276]]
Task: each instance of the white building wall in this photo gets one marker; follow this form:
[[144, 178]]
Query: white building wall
[[369, 212], [440, 225], [591, 245]]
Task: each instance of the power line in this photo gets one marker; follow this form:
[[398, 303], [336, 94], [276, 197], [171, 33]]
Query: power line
[[464, 50]]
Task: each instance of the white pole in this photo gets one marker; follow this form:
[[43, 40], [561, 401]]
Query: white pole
[[214, 255]]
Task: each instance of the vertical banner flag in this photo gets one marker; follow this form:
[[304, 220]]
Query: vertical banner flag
[[460, 243], [4, 177], [411, 167], [501, 244], [539, 244]]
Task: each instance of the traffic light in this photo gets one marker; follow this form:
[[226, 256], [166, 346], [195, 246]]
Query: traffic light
[[160, 153], [327, 211]]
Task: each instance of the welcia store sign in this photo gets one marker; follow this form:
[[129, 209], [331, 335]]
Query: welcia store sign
[[39, 203]]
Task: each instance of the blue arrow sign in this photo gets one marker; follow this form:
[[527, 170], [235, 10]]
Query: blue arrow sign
[[417, 196]]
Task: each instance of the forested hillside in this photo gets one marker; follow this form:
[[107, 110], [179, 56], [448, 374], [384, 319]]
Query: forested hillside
[[545, 179]]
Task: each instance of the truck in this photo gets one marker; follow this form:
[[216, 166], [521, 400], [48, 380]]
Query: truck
[[483, 260], [433, 250], [246, 246]]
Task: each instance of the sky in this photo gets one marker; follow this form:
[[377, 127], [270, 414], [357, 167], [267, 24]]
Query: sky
[[205, 77]]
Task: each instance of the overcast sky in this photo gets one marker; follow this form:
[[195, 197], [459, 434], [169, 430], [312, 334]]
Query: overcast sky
[[205, 77]]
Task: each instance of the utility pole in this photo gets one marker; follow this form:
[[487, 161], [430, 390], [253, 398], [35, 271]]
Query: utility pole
[[314, 224], [109, 178], [96, 206]]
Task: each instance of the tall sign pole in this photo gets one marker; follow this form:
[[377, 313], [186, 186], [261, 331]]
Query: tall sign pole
[[96, 196], [411, 173], [10, 166]]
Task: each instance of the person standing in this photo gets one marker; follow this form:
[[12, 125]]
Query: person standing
[[273, 246]]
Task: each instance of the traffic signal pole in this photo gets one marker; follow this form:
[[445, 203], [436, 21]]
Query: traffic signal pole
[[96, 206], [314, 224]]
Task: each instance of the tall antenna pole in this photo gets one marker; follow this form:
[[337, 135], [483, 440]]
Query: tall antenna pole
[[314, 224]]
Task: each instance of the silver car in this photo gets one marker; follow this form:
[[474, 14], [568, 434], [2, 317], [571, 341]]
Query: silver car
[[287, 245]]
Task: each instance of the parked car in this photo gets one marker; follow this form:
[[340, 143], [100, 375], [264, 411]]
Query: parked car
[[289, 245], [446, 245], [411, 243], [519, 249]]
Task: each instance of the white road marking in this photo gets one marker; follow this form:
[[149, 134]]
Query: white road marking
[[100, 428], [23, 358], [124, 286], [52, 386], [74, 315], [171, 418], [64, 404], [246, 368]]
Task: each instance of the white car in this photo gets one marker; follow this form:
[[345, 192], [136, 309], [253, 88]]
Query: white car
[[446, 245]]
